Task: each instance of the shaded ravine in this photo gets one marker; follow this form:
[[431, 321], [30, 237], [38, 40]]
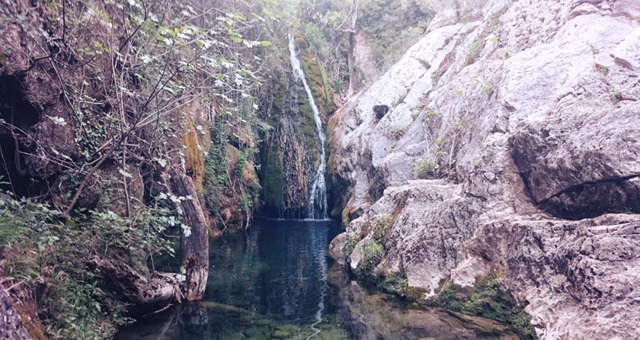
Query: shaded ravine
[[270, 282]]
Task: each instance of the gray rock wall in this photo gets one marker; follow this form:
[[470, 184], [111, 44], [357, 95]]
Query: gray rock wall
[[512, 140]]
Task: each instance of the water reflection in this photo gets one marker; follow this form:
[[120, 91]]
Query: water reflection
[[278, 268], [270, 282], [275, 282]]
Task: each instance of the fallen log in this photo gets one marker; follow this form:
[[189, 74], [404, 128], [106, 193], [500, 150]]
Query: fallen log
[[11, 325], [135, 287]]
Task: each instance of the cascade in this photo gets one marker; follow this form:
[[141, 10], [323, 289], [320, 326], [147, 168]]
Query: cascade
[[317, 207]]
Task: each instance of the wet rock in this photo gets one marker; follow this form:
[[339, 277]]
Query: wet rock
[[370, 315], [336, 248]]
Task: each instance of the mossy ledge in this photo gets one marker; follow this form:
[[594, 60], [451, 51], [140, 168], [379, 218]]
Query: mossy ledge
[[487, 299]]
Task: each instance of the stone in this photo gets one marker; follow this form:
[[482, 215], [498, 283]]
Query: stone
[[529, 112]]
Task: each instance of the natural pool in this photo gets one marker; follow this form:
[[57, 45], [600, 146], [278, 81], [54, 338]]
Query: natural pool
[[276, 282]]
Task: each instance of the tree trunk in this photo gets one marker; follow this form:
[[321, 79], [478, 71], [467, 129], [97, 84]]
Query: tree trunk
[[194, 243], [134, 287], [350, 60], [11, 326], [352, 46]]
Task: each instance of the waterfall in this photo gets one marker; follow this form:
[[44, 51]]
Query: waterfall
[[317, 207]]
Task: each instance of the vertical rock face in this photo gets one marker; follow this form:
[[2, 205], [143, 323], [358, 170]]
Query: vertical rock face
[[510, 142], [291, 155], [288, 154]]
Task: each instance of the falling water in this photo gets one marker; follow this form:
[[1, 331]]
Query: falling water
[[317, 208]]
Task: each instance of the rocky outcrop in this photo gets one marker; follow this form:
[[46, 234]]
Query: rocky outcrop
[[509, 144], [287, 155]]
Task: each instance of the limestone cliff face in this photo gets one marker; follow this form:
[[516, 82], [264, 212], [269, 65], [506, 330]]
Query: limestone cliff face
[[507, 139]]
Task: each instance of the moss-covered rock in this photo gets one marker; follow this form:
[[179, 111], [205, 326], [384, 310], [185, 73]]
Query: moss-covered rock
[[487, 299], [365, 257], [272, 180], [290, 154]]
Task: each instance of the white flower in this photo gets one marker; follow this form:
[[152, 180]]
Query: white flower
[[58, 120]]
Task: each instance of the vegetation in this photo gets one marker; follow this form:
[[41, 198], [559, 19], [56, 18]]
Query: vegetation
[[352, 240], [395, 283], [424, 168], [272, 183], [144, 93], [372, 252], [486, 299], [331, 27], [40, 251]]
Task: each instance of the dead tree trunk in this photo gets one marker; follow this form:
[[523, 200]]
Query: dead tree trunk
[[352, 45], [135, 287], [11, 326], [194, 242]]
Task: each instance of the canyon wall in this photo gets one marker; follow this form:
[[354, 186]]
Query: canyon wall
[[506, 140]]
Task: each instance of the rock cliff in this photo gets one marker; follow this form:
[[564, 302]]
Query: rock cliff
[[506, 140]]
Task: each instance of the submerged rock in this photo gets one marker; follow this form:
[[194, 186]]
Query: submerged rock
[[511, 144], [375, 315]]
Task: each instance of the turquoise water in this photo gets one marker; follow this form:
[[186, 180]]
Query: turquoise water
[[276, 282], [269, 282]]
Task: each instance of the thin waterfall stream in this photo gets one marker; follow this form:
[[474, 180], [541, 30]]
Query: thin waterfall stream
[[317, 208]]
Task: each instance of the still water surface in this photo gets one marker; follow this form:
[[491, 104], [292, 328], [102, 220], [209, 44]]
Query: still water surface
[[276, 282]]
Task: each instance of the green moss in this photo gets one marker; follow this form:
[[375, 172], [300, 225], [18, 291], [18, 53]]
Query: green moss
[[395, 283], [215, 166], [424, 168], [309, 129], [352, 240], [415, 293], [319, 83], [380, 229], [273, 178], [486, 299], [372, 252]]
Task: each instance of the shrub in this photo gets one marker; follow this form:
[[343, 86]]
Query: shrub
[[352, 240], [42, 249], [372, 252], [424, 168], [395, 283], [380, 228]]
